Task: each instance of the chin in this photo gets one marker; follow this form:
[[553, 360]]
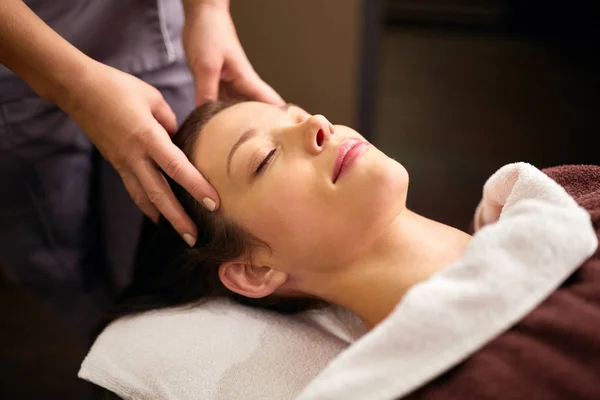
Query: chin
[[376, 198], [390, 184], [383, 190]]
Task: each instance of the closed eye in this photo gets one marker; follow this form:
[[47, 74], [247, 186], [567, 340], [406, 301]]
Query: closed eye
[[265, 162]]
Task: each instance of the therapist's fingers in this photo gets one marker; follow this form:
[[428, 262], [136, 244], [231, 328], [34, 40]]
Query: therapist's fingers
[[138, 195], [165, 116], [175, 164], [208, 77], [249, 84], [162, 197]]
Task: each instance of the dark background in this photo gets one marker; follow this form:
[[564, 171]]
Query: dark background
[[451, 89], [465, 87]]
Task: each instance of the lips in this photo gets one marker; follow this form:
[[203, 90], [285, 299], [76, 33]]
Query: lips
[[347, 152]]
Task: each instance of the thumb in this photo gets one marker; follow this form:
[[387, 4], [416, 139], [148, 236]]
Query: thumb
[[165, 116], [250, 85], [207, 83]]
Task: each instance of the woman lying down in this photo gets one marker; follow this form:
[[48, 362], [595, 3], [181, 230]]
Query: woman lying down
[[312, 214]]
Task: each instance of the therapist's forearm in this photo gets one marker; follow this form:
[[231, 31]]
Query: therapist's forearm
[[39, 55]]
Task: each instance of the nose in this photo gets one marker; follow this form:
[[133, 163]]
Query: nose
[[318, 132]]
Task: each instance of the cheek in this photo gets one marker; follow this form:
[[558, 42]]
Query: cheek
[[307, 224], [284, 212]]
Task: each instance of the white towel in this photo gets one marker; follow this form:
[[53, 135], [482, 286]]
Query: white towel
[[220, 350], [509, 267]]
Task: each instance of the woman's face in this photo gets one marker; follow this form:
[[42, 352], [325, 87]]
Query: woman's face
[[277, 172]]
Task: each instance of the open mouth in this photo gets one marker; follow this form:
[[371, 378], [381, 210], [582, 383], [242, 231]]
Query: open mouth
[[347, 152]]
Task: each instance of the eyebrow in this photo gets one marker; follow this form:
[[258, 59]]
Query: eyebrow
[[249, 134]]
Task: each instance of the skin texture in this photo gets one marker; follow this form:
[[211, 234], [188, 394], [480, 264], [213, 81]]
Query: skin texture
[[127, 119], [352, 242]]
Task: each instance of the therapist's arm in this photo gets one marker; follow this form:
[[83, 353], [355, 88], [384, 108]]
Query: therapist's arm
[[125, 118], [215, 55], [36, 53]]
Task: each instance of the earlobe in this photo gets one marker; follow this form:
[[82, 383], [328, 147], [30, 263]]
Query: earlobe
[[247, 280]]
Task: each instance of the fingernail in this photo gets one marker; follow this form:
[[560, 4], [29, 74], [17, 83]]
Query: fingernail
[[189, 239], [209, 203]]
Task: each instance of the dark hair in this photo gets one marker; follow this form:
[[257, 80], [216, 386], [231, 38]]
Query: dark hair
[[168, 273]]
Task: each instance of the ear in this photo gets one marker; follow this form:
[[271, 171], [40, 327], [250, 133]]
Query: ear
[[243, 278]]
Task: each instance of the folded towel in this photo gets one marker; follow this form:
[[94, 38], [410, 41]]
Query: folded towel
[[219, 350], [532, 236], [554, 352]]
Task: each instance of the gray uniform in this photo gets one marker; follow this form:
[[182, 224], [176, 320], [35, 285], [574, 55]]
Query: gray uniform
[[68, 229]]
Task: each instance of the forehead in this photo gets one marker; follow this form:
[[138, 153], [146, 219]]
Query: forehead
[[231, 122], [222, 131]]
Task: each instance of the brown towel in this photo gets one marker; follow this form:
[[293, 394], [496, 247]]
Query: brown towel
[[554, 352]]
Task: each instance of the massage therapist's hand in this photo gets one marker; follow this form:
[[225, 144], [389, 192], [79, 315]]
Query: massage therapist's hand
[[215, 54], [129, 122]]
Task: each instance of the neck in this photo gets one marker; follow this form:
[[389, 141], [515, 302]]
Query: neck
[[409, 251]]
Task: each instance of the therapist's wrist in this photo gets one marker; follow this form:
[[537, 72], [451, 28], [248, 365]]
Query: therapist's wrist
[[57, 76], [190, 6], [70, 90]]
